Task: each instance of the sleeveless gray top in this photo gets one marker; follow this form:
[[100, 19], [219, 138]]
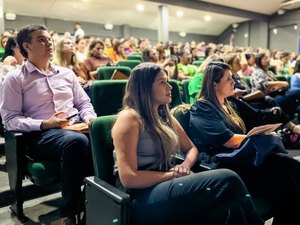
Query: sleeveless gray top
[[148, 153]]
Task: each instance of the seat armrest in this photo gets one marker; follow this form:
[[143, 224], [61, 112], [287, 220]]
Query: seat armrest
[[107, 189], [106, 204]]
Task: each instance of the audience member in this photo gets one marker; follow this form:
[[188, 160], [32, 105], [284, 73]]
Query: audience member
[[145, 136], [81, 49], [65, 56], [217, 128], [35, 99], [96, 57]]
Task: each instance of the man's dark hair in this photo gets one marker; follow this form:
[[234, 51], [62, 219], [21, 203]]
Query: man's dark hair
[[24, 36]]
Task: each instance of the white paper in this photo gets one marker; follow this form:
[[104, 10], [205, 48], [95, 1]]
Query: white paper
[[264, 129]]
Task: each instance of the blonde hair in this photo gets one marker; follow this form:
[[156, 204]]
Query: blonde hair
[[60, 57]]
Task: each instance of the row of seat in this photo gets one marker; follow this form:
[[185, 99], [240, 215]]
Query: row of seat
[[106, 98], [104, 202]]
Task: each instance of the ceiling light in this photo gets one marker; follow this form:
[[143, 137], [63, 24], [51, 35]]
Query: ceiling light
[[207, 18], [182, 34], [280, 11], [246, 35], [179, 13], [140, 7], [235, 25], [108, 26], [275, 31], [295, 27]]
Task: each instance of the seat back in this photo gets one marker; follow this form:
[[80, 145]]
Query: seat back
[[135, 57], [185, 91], [129, 63], [176, 94], [107, 96], [197, 62], [248, 81], [102, 147], [105, 72]]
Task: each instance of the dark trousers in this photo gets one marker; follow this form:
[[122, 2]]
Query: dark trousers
[[72, 150], [278, 179], [213, 197]]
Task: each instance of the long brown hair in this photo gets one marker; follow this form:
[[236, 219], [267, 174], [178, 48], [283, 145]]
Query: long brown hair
[[213, 74], [138, 96]]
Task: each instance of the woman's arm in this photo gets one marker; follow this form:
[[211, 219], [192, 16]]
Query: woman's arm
[[235, 141], [277, 85], [125, 134], [187, 147]]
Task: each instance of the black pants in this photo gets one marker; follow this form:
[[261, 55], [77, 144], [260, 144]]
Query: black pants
[[277, 179], [72, 150], [213, 197]]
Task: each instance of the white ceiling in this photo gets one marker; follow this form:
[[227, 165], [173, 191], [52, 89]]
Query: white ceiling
[[121, 12]]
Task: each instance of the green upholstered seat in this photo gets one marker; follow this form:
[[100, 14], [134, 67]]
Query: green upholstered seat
[[197, 62], [288, 78], [185, 91], [281, 77], [105, 72], [176, 94], [129, 63], [102, 147], [19, 165], [248, 81], [105, 203], [43, 172], [135, 57], [107, 96]]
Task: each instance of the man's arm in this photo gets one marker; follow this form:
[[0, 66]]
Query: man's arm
[[11, 104], [83, 103]]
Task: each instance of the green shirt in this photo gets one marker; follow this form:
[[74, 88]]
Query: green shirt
[[195, 86]]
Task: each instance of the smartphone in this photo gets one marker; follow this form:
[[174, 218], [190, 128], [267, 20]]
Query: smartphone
[[70, 117]]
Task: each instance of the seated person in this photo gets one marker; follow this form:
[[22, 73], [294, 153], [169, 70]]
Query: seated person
[[96, 57], [217, 128], [65, 56], [36, 99], [11, 59], [185, 69], [145, 136], [196, 82]]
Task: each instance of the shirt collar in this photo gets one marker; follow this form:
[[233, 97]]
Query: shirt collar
[[31, 68]]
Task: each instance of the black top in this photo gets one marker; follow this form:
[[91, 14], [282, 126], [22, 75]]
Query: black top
[[210, 129]]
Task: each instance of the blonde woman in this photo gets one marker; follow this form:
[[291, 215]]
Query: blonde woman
[[65, 56]]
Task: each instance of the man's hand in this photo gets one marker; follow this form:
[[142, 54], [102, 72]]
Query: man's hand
[[54, 122], [88, 119]]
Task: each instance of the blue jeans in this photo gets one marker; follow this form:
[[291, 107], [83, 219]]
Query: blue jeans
[[214, 197], [72, 150]]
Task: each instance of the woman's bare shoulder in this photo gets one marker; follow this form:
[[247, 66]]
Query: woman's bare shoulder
[[129, 118]]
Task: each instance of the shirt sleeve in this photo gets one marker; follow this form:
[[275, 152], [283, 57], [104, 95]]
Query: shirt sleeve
[[11, 105], [259, 81], [207, 126], [82, 101]]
